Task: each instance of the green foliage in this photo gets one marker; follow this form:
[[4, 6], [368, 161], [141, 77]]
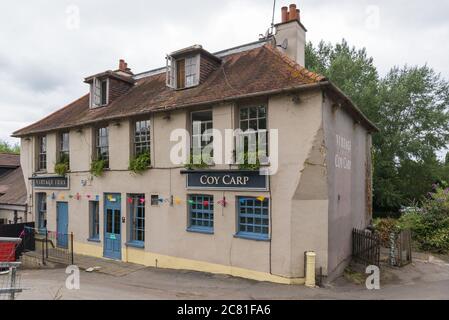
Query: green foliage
[[198, 162], [6, 147], [409, 106], [97, 167], [384, 227], [248, 166], [62, 167], [140, 163]]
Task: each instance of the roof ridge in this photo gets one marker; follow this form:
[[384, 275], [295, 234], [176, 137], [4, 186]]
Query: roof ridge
[[292, 63]]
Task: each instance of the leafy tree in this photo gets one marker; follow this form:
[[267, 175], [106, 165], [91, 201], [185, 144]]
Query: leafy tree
[[6, 147], [410, 107]]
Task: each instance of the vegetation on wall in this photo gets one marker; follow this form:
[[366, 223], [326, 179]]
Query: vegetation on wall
[[197, 162], [410, 107], [62, 166], [6, 147], [140, 163], [250, 166], [97, 167]]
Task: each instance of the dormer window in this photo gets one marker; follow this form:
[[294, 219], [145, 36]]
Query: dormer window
[[99, 93], [183, 72]]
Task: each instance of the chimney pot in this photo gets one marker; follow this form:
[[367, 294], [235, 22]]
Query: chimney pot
[[284, 14], [293, 13], [122, 65], [298, 14]]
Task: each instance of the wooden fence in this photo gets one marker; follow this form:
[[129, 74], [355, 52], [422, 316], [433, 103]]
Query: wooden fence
[[365, 247]]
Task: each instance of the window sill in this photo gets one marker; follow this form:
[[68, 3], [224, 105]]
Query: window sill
[[252, 237], [138, 245], [203, 231], [94, 240]]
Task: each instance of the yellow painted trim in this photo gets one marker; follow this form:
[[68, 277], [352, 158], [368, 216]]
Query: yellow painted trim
[[139, 256]]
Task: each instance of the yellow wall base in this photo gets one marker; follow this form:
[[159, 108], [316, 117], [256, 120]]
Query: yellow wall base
[[139, 256]]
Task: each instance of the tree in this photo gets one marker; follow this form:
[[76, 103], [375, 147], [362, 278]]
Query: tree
[[6, 147], [410, 107]]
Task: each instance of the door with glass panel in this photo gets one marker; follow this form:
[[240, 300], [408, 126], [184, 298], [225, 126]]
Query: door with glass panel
[[112, 226]]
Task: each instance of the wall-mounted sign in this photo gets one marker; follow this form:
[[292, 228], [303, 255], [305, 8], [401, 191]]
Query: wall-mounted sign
[[51, 182], [226, 180]]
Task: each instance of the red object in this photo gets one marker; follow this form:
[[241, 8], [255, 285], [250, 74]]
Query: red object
[[205, 203], [7, 251]]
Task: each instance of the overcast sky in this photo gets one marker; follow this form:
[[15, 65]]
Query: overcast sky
[[47, 47]]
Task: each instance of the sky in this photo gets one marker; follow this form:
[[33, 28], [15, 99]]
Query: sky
[[48, 47]]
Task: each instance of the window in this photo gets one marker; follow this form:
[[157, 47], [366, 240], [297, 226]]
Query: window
[[202, 125], [41, 211], [253, 218], [142, 137], [102, 145], [254, 119], [155, 200], [94, 220], [99, 93], [64, 151], [184, 72], [201, 213], [137, 218], [42, 157]]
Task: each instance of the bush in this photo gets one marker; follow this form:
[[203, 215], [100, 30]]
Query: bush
[[97, 167], [384, 227], [430, 226], [140, 163]]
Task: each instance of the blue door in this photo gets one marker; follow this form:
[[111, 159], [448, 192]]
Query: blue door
[[112, 226], [62, 225]]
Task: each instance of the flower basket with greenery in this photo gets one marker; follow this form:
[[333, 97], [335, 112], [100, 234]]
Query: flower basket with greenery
[[198, 162], [140, 163], [62, 167], [98, 167], [250, 166]]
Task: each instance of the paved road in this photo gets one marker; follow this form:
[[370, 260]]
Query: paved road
[[422, 280]]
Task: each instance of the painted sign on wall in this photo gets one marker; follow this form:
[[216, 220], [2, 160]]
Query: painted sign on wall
[[51, 182], [344, 153], [227, 180]]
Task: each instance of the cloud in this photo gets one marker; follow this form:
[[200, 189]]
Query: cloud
[[47, 47]]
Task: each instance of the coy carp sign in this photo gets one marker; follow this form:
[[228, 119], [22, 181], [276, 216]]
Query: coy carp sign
[[226, 180]]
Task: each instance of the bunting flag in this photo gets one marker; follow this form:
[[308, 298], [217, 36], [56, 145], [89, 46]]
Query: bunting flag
[[178, 201], [261, 198], [70, 197], [88, 196], [97, 198], [161, 200], [78, 196], [222, 202], [206, 203], [130, 200], [142, 200], [191, 202]]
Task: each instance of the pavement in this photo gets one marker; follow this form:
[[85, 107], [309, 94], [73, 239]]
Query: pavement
[[426, 278]]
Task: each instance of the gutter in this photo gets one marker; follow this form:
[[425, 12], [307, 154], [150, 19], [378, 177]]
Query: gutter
[[320, 85]]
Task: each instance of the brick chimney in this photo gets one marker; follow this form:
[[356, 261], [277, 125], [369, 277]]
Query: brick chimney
[[123, 68], [291, 34]]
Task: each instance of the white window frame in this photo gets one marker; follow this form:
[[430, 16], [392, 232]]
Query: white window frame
[[172, 72], [96, 93]]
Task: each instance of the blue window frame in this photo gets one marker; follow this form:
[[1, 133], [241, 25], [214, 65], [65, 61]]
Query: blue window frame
[[201, 213], [253, 218], [94, 220], [136, 207]]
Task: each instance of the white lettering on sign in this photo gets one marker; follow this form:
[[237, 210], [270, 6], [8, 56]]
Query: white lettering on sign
[[226, 180], [344, 153]]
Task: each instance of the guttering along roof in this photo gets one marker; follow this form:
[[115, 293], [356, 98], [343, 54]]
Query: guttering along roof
[[261, 71]]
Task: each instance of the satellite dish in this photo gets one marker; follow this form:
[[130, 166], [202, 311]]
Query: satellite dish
[[284, 44]]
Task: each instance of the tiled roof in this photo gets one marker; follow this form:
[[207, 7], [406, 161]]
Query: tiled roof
[[243, 74], [12, 188], [9, 160]]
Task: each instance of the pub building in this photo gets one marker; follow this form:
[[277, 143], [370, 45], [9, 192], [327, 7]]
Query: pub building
[[218, 218]]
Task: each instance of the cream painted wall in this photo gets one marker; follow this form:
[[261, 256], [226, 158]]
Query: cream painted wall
[[299, 223]]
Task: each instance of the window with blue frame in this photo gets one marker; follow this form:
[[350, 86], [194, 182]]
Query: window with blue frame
[[94, 220], [136, 205], [253, 218], [201, 213]]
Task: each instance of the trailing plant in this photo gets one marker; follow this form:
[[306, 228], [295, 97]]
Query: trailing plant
[[140, 163], [62, 167], [97, 167], [250, 166], [198, 162]]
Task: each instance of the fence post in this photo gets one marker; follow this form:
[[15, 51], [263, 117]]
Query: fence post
[[71, 247], [13, 282], [43, 253], [46, 244]]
